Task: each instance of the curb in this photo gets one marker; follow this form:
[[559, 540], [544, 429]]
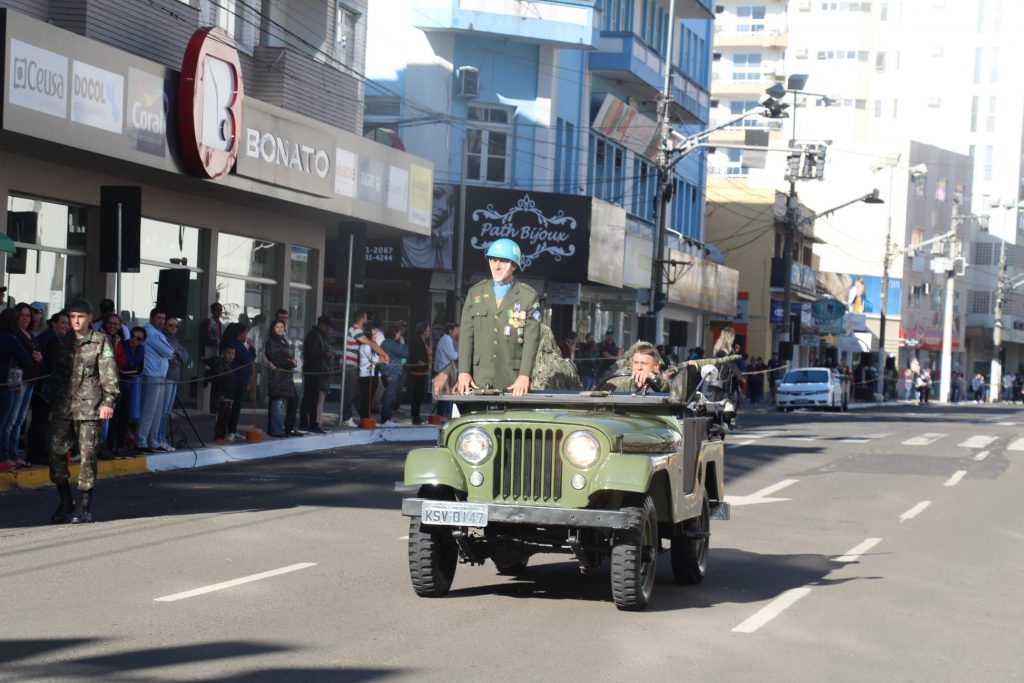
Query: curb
[[38, 477]]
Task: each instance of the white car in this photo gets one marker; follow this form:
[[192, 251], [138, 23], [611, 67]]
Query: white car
[[811, 388]]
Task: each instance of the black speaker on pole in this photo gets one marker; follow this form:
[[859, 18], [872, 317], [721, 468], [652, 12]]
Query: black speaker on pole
[[646, 328], [130, 200], [172, 292], [677, 333]]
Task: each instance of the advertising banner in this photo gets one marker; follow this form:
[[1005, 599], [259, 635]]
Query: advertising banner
[[863, 293], [704, 285]]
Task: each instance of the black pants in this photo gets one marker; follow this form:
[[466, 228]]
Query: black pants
[[38, 443], [367, 386], [310, 400], [236, 407], [418, 392]]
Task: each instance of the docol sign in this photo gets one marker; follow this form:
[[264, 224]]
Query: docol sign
[[210, 103], [553, 230]]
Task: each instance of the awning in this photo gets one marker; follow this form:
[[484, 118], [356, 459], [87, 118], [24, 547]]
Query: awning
[[7, 244], [855, 343]]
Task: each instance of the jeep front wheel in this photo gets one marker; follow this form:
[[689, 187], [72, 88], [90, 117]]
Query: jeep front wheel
[[690, 547], [433, 556], [634, 560]]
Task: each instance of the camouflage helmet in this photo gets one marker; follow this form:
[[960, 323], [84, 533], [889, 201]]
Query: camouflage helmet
[[506, 249], [80, 306]]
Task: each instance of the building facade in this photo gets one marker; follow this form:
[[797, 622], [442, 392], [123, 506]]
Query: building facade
[[95, 97], [547, 114]]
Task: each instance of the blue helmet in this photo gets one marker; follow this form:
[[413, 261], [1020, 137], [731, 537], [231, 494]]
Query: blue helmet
[[506, 249]]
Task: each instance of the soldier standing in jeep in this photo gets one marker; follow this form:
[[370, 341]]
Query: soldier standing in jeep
[[500, 327]]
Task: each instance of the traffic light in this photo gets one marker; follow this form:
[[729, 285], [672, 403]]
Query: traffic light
[[793, 165], [819, 162]]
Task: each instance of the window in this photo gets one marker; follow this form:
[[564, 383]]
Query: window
[[977, 65], [974, 114], [488, 134], [606, 170], [843, 55], [750, 19], [835, 6], [982, 254], [746, 67], [247, 276], [645, 177], [565, 157], [993, 67], [237, 17], [989, 153], [618, 15], [990, 122], [301, 294], [878, 109], [344, 36], [382, 107], [980, 302], [883, 12], [737, 107], [735, 165], [879, 61]]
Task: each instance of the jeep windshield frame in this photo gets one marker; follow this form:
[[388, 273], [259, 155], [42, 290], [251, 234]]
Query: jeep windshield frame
[[617, 401]]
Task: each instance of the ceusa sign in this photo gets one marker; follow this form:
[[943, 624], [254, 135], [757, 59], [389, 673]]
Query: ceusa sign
[[278, 149], [39, 79]]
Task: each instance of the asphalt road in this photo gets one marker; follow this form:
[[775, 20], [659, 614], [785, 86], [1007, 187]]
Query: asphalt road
[[877, 544]]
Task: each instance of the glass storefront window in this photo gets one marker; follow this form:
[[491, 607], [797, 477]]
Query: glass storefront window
[[49, 266], [302, 295], [247, 277]]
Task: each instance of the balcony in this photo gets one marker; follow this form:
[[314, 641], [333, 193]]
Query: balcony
[[763, 39], [622, 56], [750, 89], [560, 23]]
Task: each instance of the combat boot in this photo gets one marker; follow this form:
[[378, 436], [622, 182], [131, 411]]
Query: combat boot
[[82, 513], [67, 504]]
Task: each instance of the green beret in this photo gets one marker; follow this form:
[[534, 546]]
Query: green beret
[[80, 306]]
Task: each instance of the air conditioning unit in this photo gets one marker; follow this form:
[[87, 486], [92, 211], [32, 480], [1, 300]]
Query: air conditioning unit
[[467, 81], [804, 5], [800, 53]]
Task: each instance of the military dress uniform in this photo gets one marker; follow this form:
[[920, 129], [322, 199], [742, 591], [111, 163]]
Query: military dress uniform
[[499, 340], [84, 378]]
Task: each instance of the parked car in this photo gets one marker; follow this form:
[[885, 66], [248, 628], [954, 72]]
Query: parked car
[[600, 475], [812, 388]]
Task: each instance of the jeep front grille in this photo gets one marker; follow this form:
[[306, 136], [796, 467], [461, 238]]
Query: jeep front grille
[[527, 464]]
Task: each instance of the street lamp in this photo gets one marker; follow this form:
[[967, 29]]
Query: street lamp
[[917, 172]]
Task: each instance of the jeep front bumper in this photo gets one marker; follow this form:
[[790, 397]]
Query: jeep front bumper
[[537, 515]]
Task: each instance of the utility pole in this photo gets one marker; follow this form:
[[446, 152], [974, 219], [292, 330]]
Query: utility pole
[[996, 369], [658, 295], [886, 263], [946, 362]]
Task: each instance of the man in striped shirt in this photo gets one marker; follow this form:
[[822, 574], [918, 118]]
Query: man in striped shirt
[[356, 336]]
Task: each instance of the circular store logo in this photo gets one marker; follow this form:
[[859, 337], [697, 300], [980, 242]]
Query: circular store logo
[[210, 103]]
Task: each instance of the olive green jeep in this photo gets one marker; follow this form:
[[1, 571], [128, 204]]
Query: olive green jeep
[[599, 474]]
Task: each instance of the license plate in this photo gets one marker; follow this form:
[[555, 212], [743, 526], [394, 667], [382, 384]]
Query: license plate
[[453, 514]]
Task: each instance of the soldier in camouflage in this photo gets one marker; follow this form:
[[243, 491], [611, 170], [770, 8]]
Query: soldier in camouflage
[[83, 391], [500, 327], [642, 372]]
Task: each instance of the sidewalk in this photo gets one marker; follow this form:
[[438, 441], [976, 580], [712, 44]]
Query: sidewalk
[[191, 453]]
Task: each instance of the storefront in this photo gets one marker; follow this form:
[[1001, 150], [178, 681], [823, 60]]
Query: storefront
[[250, 233]]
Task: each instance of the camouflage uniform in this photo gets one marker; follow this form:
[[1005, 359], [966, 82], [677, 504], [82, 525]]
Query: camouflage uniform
[[84, 378], [499, 341]]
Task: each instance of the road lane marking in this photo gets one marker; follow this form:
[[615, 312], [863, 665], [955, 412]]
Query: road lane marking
[[801, 438], [1017, 445], [762, 495], [924, 439], [403, 538], [234, 582], [978, 441], [741, 443], [1007, 424], [955, 479], [981, 455], [866, 438], [854, 553], [915, 511], [772, 610]]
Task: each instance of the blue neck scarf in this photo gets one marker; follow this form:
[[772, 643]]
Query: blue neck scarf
[[500, 290]]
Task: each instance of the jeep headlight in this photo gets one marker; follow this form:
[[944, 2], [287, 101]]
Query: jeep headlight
[[474, 445], [581, 449]]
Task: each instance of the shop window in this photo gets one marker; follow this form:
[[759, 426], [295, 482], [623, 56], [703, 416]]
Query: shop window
[[248, 277], [50, 263], [302, 296]]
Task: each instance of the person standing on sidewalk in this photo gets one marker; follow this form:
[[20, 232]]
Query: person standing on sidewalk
[[354, 339], [280, 379], [154, 383], [316, 364], [175, 363], [419, 369], [391, 372], [83, 391]]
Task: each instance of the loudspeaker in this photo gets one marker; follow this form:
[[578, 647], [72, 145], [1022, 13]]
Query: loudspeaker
[[130, 200], [646, 328], [785, 351], [172, 292], [677, 333]]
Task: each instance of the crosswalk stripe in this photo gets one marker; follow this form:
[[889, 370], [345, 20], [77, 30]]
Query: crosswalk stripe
[[924, 439], [977, 441], [1017, 445], [865, 438]]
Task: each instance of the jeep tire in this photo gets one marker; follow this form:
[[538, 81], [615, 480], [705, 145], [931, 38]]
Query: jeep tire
[[634, 558], [433, 557], [690, 548]]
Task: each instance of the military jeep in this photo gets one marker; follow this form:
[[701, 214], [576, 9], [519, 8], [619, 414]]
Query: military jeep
[[599, 474]]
